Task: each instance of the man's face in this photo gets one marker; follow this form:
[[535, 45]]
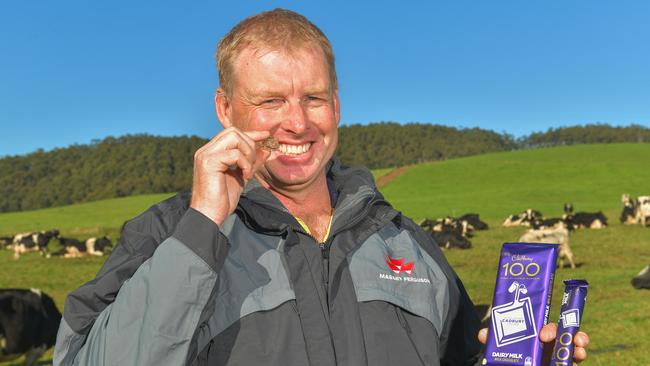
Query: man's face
[[288, 94]]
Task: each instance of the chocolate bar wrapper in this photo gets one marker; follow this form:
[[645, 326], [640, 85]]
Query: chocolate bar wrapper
[[573, 303], [521, 304]]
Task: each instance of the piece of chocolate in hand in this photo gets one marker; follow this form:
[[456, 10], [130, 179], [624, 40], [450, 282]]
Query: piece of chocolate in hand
[[268, 144]]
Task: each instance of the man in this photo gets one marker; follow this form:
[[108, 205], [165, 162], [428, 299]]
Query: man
[[280, 256]]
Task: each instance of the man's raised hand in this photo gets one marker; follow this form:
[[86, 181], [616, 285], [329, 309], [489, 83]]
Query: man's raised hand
[[221, 169]]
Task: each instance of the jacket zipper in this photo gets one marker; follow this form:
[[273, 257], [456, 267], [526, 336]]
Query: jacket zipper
[[325, 246], [325, 256]]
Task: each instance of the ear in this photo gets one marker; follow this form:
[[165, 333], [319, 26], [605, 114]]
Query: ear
[[223, 108], [337, 106]]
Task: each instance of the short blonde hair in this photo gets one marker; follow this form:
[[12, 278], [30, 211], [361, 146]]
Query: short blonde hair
[[278, 29]]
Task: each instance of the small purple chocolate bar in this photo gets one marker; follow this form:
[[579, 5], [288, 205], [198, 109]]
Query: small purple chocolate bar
[[573, 303], [521, 304]]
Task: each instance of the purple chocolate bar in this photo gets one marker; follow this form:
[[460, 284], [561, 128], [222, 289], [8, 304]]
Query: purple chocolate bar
[[573, 302], [521, 304]]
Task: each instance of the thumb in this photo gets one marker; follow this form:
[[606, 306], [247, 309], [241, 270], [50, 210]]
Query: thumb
[[261, 156], [482, 335]]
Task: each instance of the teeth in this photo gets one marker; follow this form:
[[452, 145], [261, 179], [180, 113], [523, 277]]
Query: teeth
[[294, 149]]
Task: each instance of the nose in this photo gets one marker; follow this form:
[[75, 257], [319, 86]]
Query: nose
[[296, 120]]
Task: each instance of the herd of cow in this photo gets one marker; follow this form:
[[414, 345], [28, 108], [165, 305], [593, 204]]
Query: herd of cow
[[29, 319], [455, 232], [39, 242]]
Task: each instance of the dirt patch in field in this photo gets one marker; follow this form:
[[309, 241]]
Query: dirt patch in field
[[390, 176]]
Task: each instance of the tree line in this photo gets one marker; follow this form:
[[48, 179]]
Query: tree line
[[138, 164]]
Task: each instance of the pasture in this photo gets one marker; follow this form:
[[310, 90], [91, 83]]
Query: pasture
[[592, 177]]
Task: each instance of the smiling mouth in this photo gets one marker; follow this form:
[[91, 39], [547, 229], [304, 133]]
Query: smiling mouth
[[288, 149]]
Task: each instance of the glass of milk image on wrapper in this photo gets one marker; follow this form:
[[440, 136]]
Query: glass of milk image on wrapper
[[570, 318], [513, 322]]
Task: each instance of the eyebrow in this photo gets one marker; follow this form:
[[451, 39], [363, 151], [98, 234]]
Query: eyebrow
[[318, 91], [267, 93]]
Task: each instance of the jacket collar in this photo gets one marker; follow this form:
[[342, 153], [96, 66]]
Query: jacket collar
[[352, 190]]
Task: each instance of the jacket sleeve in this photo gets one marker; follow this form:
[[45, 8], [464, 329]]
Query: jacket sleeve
[[459, 343], [155, 317]]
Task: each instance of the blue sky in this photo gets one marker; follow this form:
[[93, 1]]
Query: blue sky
[[73, 71]]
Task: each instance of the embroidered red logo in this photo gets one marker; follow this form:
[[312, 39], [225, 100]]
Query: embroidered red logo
[[398, 266]]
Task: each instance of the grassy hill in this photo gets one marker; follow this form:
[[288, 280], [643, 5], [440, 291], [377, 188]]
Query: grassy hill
[[593, 177], [88, 217]]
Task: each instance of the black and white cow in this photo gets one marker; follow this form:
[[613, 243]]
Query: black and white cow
[[642, 280], [450, 239], [447, 224], [474, 221], [73, 248], [629, 213], [584, 220], [525, 218], [448, 232], [32, 242], [589, 220], [635, 211], [29, 321]]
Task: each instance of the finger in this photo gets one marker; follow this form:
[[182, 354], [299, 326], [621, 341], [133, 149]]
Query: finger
[[252, 136], [224, 161], [581, 339], [579, 354], [222, 137], [257, 135], [482, 335], [548, 333], [230, 139], [262, 156], [232, 159]]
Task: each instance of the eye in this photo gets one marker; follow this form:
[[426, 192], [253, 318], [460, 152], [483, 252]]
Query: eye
[[314, 99], [272, 101]]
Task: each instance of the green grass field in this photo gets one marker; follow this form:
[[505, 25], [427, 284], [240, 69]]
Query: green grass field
[[617, 317]]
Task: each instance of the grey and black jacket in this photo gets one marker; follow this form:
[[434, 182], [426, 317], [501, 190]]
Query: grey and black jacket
[[178, 290]]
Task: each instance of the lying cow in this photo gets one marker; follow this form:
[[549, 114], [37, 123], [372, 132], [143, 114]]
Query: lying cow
[[474, 221], [32, 242], [584, 220], [29, 321], [73, 248], [589, 220], [447, 224], [450, 239], [552, 236], [448, 232], [525, 218], [642, 280]]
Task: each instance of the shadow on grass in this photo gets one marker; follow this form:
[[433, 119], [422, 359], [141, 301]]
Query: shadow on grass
[[612, 348], [567, 266]]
